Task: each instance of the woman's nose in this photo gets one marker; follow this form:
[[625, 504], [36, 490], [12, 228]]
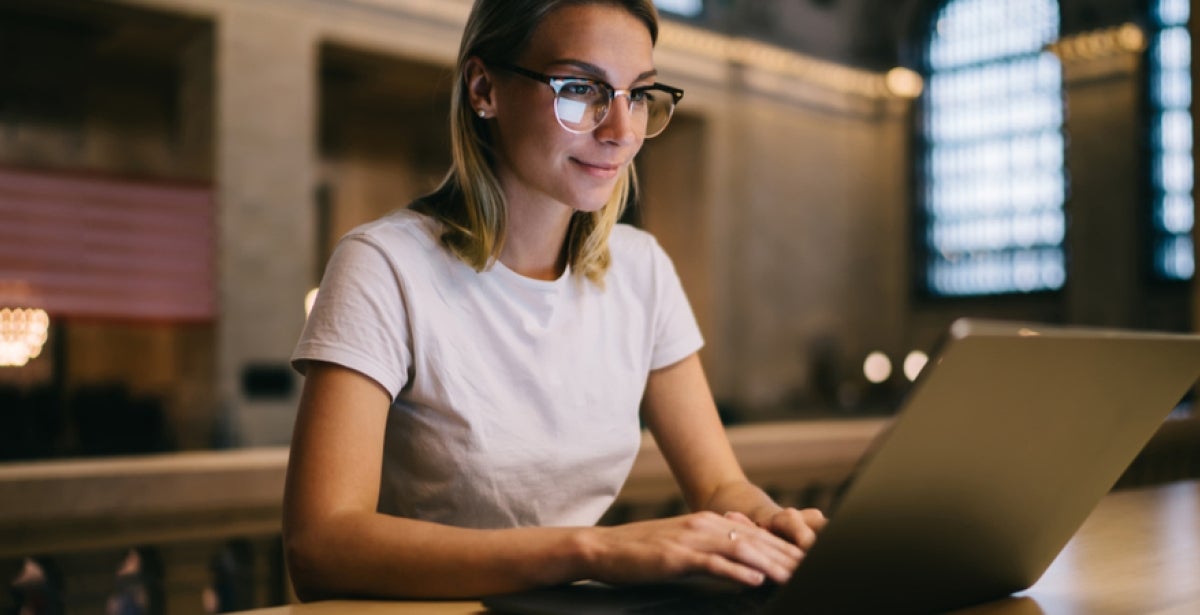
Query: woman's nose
[[620, 125]]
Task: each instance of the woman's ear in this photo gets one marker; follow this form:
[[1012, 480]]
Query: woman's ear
[[478, 82]]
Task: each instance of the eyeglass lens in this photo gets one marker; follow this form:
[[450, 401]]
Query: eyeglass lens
[[581, 106]]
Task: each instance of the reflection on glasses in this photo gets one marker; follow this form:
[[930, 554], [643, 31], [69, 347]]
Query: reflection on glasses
[[581, 104]]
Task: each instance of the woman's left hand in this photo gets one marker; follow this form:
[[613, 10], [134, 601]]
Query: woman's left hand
[[798, 526]]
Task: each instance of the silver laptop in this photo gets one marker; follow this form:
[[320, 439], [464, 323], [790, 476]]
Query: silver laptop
[[1009, 438]]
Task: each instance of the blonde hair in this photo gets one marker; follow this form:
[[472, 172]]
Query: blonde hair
[[469, 202]]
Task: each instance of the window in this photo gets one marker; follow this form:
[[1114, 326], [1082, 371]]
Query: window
[[1169, 69], [993, 178], [686, 8]]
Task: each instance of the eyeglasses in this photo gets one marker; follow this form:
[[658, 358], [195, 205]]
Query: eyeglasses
[[581, 104]]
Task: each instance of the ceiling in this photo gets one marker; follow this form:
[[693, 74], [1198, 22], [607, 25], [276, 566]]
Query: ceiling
[[872, 34]]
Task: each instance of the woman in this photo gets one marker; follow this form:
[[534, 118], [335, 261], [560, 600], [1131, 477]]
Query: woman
[[474, 364]]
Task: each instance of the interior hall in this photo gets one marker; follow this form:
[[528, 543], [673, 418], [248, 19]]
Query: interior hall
[[842, 180]]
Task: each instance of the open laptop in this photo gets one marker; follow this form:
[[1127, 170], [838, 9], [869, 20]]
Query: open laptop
[[1006, 442]]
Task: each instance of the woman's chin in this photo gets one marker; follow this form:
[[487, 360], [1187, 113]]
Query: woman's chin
[[590, 203]]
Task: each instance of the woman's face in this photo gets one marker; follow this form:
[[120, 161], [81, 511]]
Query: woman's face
[[539, 162]]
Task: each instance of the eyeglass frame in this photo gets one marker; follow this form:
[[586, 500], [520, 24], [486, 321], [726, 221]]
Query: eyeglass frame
[[557, 82]]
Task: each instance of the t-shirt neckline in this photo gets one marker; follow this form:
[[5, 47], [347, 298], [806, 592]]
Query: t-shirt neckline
[[532, 283]]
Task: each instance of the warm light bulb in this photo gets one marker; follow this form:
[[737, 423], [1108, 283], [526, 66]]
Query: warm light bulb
[[904, 82], [23, 332], [914, 363], [1131, 38], [877, 367], [309, 300]]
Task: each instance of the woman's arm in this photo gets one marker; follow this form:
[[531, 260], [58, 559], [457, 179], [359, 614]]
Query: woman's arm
[[679, 409], [338, 545], [336, 542]]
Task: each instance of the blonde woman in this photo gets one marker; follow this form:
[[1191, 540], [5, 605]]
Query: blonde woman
[[475, 364]]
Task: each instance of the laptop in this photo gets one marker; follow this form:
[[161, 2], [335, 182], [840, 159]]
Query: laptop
[[1005, 443]]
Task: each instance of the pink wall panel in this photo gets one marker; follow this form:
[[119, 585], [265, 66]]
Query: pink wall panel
[[98, 247]]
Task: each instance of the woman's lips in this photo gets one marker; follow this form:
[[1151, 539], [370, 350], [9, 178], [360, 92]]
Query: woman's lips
[[602, 170]]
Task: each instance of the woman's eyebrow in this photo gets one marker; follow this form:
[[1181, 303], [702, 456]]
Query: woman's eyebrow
[[596, 71]]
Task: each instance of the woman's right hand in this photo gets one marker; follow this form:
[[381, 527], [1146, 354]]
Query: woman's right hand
[[728, 546]]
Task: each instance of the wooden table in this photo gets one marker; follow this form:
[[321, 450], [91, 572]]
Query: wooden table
[[1137, 554]]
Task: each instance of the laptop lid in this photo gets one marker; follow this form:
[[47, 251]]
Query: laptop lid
[[1005, 443], [1009, 438]]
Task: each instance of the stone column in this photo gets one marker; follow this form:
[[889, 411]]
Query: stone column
[[1103, 90], [266, 106]]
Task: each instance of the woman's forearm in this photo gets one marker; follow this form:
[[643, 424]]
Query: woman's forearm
[[371, 554]]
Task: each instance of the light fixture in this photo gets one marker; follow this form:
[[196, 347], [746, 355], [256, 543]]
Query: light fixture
[[877, 367], [1130, 37], [309, 300], [23, 332], [904, 83], [914, 363]]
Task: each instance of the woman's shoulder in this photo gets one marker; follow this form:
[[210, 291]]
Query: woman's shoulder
[[626, 238], [404, 242], [402, 231], [636, 255]]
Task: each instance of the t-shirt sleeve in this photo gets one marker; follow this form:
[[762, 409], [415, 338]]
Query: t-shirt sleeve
[[676, 334], [359, 319]]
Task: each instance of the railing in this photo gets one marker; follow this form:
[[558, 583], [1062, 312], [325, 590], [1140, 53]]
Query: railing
[[199, 532], [178, 533], [799, 463]]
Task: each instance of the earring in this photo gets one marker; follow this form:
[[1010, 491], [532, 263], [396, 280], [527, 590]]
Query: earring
[[482, 113]]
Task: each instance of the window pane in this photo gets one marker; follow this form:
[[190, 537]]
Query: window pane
[[994, 186], [687, 8], [1172, 176], [1171, 12]]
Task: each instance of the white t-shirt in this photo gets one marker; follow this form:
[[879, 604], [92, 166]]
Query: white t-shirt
[[515, 401]]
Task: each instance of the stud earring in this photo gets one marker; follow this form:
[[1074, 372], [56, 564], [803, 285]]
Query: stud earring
[[482, 113]]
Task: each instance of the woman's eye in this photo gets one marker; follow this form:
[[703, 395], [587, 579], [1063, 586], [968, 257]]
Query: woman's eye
[[641, 96], [581, 89]]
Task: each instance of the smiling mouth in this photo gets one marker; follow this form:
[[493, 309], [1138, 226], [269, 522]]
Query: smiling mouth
[[598, 168]]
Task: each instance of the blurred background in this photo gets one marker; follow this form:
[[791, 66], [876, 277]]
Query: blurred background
[[842, 180]]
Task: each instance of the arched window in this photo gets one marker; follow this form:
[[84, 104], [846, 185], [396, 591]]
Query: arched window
[[1169, 70], [993, 182]]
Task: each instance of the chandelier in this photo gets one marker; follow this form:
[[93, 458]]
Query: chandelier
[[22, 333]]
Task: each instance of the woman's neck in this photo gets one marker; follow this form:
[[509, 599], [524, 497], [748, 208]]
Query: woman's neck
[[535, 238]]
